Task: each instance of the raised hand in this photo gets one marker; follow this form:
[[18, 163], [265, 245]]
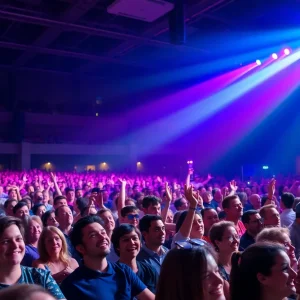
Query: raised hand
[[168, 191], [233, 185], [271, 188], [190, 196]]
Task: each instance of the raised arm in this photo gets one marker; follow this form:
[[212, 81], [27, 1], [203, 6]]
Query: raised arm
[[164, 212], [233, 187], [122, 197], [186, 226], [58, 191]]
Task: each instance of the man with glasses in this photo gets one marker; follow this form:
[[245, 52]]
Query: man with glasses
[[253, 223], [130, 215]]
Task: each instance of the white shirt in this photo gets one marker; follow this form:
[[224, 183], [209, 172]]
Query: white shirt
[[287, 217]]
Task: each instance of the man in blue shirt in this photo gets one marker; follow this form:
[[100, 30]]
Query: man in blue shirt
[[153, 252], [98, 278]]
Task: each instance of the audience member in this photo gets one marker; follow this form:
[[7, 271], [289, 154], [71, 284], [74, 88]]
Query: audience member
[[126, 240], [253, 223], [287, 216], [97, 278], [270, 216]]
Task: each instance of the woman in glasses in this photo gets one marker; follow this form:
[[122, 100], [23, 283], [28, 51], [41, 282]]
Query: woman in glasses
[[262, 272], [190, 273], [281, 236], [226, 240]]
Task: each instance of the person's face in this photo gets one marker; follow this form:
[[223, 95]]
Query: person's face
[[129, 245], [45, 198], [40, 211], [230, 241], [272, 217], [13, 195], [79, 194], [209, 219], [255, 224], [109, 222], [51, 221], [53, 243], [60, 203], [9, 209], [218, 195], [157, 234], [28, 202], [225, 191], [22, 212], [35, 230], [71, 196], [212, 282], [184, 205], [64, 216], [290, 249], [281, 280], [154, 210], [170, 217], [197, 227], [95, 242], [255, 200], [132, 218], [235, 209], [12, 246]]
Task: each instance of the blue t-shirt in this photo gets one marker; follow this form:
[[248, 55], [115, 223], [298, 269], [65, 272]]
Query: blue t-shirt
[[117, 283], [40, 277], [31, 254]]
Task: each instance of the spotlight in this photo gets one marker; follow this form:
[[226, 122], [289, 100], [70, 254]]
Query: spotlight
[[287, 51], [258, 62], [274, 56]]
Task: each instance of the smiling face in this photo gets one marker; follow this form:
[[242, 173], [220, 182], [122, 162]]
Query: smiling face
[[281, 280], [212, 282], [12, 246], [230, 241], [95, 242], [129, 245], [109, 222], [53, 243]]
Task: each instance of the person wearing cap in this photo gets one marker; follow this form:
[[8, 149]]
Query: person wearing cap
[[295, 232]]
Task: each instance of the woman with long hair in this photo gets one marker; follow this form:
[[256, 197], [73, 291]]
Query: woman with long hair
[[54, 255], [190, 273], [262, 272]]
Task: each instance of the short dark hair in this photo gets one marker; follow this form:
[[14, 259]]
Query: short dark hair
[[121, 231], [214, 191], [128, 209], [19, 205], [150, 200], [227, 200], [204, 210], [6, 222], [145, 222], [82, 203], [76, 233], [46, 216], [8, 202], [178, 203], [57, 198], [36, 206], [247, 214], [57, 210], [288, 200], [68, 189]]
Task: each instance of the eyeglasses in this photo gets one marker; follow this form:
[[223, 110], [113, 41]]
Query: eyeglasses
[[190, 244], [131, 217]]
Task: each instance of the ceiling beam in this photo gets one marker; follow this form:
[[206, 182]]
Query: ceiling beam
[[65, 53], [51, 34], [192, 13]]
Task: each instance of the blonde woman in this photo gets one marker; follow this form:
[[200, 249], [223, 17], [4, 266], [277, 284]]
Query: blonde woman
[[54, 255]]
